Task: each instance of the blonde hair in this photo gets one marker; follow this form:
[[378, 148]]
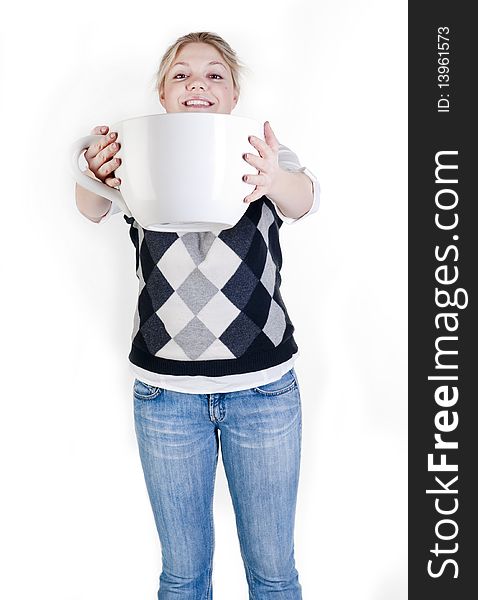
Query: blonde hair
[[205, 37]]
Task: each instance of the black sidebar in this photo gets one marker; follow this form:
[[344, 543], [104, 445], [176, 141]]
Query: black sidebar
[[443, 257]]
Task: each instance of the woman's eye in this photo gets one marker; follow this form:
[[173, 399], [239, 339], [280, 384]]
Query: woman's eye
[[181, 75]]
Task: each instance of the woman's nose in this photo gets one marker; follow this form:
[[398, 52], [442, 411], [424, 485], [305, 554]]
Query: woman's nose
[[194, 84]]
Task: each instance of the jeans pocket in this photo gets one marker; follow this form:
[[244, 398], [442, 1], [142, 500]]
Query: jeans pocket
[[286, 383], [145, 391]]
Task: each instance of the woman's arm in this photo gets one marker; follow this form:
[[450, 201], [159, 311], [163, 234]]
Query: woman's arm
[[292, 192], [90, 205], [101, 165]]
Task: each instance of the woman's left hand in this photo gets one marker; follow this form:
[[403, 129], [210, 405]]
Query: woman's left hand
[[267, 163]]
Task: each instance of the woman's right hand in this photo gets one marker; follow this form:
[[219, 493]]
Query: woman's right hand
[[100, 156]]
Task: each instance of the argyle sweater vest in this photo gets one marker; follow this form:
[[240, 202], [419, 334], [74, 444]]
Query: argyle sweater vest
[[209, 303]]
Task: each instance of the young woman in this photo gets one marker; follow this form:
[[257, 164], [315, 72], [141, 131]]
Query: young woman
[[213, 350]]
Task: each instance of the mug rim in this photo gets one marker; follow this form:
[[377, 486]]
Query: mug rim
[[184, 114]]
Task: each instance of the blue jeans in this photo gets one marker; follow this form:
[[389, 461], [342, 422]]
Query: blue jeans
[[178, 440]]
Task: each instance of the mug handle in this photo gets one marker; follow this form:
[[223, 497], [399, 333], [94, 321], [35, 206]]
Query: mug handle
[[93, 185]]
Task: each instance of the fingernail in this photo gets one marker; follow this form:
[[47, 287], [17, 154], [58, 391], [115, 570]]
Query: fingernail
[[112, 135], [103, 129], [244, 177]]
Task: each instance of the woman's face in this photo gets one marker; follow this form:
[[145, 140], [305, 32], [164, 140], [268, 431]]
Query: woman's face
[[203, 75]]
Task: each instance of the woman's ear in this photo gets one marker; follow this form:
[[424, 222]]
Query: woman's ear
[[235, 98], [161, 97]]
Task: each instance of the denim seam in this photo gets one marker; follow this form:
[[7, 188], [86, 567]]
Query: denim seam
[[276, 392], [151, 397], [211, 517], [154, 390]]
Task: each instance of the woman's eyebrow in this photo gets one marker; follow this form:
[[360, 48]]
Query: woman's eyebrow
[[213, 62], [217, 62]]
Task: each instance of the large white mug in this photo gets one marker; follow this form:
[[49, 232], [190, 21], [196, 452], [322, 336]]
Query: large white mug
[[179, 171]]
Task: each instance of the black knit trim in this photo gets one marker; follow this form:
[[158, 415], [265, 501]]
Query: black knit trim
[[214, 368]]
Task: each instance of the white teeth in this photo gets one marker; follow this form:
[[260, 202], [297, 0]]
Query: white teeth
[[197, 103]]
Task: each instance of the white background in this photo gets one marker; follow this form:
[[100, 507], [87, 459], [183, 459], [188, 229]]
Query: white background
[[331, 79]]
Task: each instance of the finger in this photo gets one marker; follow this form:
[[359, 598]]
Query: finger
[[99, 130], [270, 137], [107, 153], [108, 167], [113, 181], [249, 199], [104, 156], [96, 147], [255, 179], [260, 146], [256, 161], [256, 193]]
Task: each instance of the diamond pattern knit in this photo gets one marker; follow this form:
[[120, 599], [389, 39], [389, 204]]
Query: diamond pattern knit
[[209, 302]]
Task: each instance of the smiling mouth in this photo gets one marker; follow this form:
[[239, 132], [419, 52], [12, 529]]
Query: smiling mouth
[[198, 103]]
